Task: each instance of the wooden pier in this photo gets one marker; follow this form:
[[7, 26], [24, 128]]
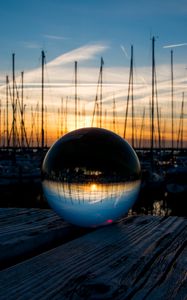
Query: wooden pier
[[139, 257]]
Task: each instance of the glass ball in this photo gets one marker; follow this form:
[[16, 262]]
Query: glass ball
[[91, 177]]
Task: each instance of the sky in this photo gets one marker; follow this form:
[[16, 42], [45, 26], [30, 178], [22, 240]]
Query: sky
[[84, 31]]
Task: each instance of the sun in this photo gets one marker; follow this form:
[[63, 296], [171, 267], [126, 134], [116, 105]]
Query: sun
[[93, 187]]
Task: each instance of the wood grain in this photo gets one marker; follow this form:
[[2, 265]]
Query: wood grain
[[25, 232], [140, 257]]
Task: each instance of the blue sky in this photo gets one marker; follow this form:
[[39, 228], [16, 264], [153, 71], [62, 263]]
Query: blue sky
[[85, 30], [59, 26]]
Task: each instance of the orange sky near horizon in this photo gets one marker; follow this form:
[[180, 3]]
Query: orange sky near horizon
[[59, 103]]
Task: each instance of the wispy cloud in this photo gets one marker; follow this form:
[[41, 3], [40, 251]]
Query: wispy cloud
[[31, 45], [55, 37], [175, 45], [124, 51], [58, 74], [59, 83], [80, 54]]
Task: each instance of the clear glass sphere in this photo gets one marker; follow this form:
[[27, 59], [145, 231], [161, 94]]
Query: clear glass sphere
[[91, 177]]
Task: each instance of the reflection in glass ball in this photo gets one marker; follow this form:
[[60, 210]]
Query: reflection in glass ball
[[91, 177]]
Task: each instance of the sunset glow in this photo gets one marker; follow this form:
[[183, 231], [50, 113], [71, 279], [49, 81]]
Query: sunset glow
[[59, 80]]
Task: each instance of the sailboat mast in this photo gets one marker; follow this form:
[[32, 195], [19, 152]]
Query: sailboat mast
[[182, 117], [152, 99], [22, 112], [132, 97], [66, 115], [7, 117], [42, 96], [127, 107], [75, 94], [141, 129], [172, 124], [180, 131], [114, 114], [98, 103], [13, 103], [101, 91], [62, 117], [46, 126]]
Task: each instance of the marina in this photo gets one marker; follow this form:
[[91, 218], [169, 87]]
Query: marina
[[21, 181]]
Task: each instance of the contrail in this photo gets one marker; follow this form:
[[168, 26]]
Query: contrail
[[124, 51], [175, 45]]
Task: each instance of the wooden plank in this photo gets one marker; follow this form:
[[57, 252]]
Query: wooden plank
[[25, 232], [141, 257]]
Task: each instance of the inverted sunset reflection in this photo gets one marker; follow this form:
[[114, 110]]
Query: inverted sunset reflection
[[91, 192], [91, 203], [91, 177]]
